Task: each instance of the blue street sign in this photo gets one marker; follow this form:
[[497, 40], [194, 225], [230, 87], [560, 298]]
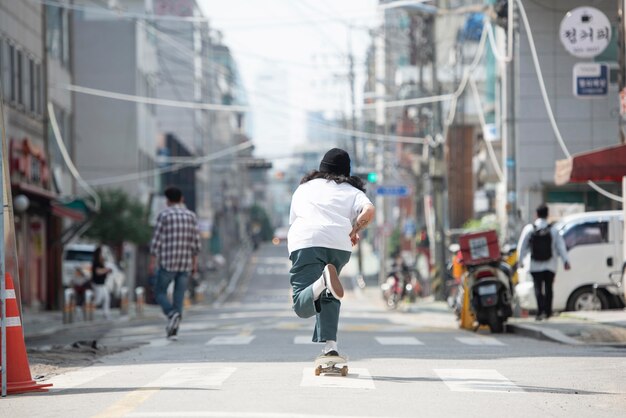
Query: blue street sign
[[591, 79], [392, 191]]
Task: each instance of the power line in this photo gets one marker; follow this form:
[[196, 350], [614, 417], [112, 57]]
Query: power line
[[154, 172], [152, 100], [68, 161]]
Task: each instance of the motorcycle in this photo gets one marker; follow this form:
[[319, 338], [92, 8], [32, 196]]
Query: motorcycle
[[400, 283], [490, 293]]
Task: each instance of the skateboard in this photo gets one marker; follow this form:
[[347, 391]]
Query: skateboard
[[328, 364]]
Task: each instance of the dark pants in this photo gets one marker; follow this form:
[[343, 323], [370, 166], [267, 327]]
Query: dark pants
[[543, 281], [307, 266]]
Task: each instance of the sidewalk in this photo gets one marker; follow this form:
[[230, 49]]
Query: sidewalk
[[44, 323], [592, 328], [606, 328]]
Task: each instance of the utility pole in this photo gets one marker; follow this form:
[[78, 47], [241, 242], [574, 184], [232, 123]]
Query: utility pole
[[436, 172], [509, 142]]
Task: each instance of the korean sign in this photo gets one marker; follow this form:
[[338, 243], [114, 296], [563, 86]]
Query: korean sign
[[585, 32], [591, 79]]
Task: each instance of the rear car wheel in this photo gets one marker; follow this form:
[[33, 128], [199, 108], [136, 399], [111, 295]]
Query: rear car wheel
[[585, 300]]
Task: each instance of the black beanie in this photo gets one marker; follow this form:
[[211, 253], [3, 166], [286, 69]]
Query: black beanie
[[336, 161]]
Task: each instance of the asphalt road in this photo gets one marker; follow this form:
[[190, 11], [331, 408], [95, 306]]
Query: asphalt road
[[252, 357]]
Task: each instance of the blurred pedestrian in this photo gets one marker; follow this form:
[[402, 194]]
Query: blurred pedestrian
[[544, 245], [175, 246], [99, 273], [328, 210]]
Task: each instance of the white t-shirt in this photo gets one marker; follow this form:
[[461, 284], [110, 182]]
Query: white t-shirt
[[322, 214]]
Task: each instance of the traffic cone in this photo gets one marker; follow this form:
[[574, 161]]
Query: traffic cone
[[19, 379]]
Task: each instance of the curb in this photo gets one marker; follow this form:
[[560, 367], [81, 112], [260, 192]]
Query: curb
[[540, 333]]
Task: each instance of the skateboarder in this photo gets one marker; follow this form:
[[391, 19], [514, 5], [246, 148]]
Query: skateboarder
[[328, 210]]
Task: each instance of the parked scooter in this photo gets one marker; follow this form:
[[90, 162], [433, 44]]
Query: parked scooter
[[401, 282], [490, 295], [487, 279]]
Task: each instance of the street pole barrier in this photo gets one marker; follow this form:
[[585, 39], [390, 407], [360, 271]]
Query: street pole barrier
[[69, 306], [124, 301], [140, 300], [90, 306]]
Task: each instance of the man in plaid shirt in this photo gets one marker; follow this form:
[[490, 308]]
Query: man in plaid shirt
[[175, 244]]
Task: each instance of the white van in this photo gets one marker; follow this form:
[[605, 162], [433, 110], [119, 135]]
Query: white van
[[595, 244], [77, 259]]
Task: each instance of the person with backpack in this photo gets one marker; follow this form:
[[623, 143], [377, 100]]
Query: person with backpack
[[543, 245]]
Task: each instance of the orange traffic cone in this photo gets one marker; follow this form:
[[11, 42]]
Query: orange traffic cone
[[19, 379]]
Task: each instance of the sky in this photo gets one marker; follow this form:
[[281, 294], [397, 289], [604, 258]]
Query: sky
[[292, 57]]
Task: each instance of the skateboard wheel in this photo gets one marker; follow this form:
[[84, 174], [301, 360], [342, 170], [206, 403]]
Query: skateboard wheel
[[318, 370], [344, 371]]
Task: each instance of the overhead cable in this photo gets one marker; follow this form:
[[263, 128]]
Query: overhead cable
[[483, 126], [154, 172], [154, 101], [68, 161]]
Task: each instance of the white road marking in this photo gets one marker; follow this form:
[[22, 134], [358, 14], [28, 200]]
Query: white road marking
[[399, 341], [161, 342], [78, 378], [480, 341], [230, 414], [476, 380], [231, 340], [196, 376], [303, 339], [356, 379]]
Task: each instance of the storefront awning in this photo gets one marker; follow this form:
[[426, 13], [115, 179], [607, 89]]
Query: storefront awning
[[606, 164], [76, 209]]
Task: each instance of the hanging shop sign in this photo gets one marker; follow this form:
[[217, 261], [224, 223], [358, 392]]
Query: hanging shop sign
[[591, 79], [585, 32]]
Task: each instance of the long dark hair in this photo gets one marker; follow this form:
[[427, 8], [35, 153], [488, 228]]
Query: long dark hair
[[97, 254], [353, 181]]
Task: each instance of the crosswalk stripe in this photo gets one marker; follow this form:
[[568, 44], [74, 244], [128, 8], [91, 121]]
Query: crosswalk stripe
[[302, 339], [79, 377], [480, 341], [356, 379], [231, 414], [398, 341], [161, 342], [231, 340], [196, 376], [476, 380]]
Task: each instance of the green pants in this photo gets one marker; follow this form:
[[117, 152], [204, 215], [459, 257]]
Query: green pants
[[307, 266]]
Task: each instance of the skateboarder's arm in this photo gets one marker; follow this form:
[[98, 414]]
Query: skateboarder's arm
[[365, 217]]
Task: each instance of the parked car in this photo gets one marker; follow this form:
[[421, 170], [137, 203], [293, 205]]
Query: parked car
[[77, 259], [594, 241]]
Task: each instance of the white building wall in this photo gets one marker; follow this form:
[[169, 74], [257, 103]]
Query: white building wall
[[585, 124]]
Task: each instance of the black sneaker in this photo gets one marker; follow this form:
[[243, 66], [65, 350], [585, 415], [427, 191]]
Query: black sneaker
[[172, 325]]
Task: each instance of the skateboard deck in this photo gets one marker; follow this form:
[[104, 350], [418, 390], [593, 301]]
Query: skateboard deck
[[328, 364]]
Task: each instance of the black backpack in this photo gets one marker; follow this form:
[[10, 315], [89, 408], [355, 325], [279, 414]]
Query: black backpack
[[541, 243]]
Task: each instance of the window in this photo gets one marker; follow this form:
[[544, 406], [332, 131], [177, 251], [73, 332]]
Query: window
[[32, 88], [57, 34], [587, 233], [19, 77], [11, 74], [26, 81], [38, 90]]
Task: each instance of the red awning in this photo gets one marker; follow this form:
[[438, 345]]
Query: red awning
[[606, 164]]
